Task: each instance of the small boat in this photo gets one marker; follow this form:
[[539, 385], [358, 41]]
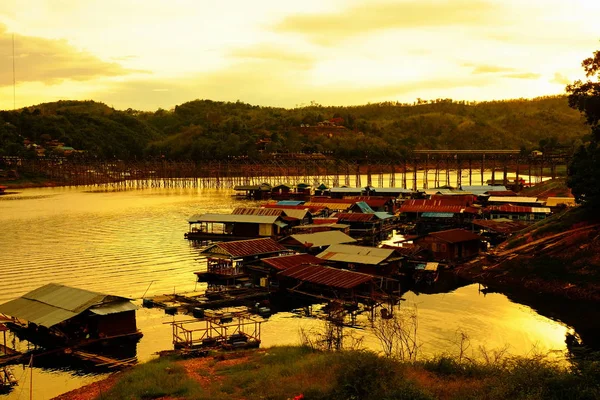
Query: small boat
[[7, 379]]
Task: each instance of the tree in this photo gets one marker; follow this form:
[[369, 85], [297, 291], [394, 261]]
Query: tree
[[584, 170]]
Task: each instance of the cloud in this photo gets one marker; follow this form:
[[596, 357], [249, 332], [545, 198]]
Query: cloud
[[50, 61], [269, 87], [561, 79], [488, 69], [522, 75], [367, 18], [269, 53]]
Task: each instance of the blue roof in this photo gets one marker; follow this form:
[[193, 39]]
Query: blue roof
[[290, 202], [364, 207], [437, 215], [383, 215]]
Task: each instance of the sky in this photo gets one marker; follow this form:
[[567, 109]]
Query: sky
[[151, 54]]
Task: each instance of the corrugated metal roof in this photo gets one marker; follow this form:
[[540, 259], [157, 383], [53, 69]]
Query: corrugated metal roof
[[346, 190], [512, 199], [518, 209], [299, 214], [437, 205], [113, 308], [257, 211], [327, 276], [437, 215], [332, 205], [285, 262], [230, 218], [438, 191], [355, 217], [290, 202], [53, 303], [391, 190], [383, 215], [481, 189], [326, 238], [246, 248], [356, 254], [364, 207], [455, 235]]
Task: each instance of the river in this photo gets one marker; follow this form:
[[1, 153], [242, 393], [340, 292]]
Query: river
[[128, 242]]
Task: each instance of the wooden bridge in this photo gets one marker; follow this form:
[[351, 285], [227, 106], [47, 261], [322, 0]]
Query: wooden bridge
[[421, 168]]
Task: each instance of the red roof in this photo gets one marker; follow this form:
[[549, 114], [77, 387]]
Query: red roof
[[245, 248], [285, 262], [501, 193], [327, 276], [355, 217], [439, 205], [323, 221], [257, 211], [312, 209], [455, 199], [455, 236]]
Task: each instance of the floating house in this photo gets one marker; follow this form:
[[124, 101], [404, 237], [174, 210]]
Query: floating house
[[369, 227], [322, 282], [291, 216], [227, 260], [453, 245], [56, 315], [369, 260], [254, 192], [517, 213], [227, 227], [314, 243]]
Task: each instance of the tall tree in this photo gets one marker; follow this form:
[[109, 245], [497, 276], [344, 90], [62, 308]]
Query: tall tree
[[584, 171]]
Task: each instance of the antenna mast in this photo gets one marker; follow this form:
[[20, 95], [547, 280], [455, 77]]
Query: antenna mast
[[14, 79]]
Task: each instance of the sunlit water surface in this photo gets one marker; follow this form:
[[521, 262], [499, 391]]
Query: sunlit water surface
[[128, 243]]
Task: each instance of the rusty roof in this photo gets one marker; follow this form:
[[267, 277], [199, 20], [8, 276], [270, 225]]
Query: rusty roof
[[319, 221], [356, 217], [257, 211], [332, 205], [455, 235], [285, 262], [246, 248], [434, 205], [327, 276], [501, 226], [325, 238]]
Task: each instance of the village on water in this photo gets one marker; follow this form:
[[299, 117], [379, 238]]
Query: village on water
[[351, 248]]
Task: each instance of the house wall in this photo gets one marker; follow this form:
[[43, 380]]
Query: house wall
[[114, 324], [242, 229], [442, 250]]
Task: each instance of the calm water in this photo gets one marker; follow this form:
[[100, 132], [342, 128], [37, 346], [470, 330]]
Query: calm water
[[127, 243]]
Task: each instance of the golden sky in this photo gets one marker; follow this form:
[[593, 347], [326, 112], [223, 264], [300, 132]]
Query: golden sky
[[150, 54]]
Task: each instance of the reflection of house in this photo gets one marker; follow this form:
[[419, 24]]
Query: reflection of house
[[370, 260], [234, 227], [450, 245], [56, 315], [315, 242]]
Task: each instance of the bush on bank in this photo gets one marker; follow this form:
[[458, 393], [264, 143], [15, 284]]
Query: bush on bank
[[287, 372]]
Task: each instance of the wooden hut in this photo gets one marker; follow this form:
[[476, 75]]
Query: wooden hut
[[453, 245]]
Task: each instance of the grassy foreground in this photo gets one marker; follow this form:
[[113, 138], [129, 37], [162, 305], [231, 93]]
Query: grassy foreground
[[301, 372]]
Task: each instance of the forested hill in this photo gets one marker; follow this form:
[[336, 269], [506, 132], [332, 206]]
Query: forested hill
[[204, 129]]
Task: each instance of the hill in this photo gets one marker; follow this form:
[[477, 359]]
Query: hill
[[205, 129]]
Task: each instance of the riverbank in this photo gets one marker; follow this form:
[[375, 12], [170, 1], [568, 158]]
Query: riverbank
[[304, 373], [558, 256]]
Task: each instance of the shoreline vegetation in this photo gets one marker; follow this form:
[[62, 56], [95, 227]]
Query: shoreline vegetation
[[301, 372]]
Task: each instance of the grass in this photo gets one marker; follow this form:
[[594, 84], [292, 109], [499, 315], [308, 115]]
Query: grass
[[286, 372], [153, 380]]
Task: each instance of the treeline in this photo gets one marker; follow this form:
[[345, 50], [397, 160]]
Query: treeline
[[205, 129]]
